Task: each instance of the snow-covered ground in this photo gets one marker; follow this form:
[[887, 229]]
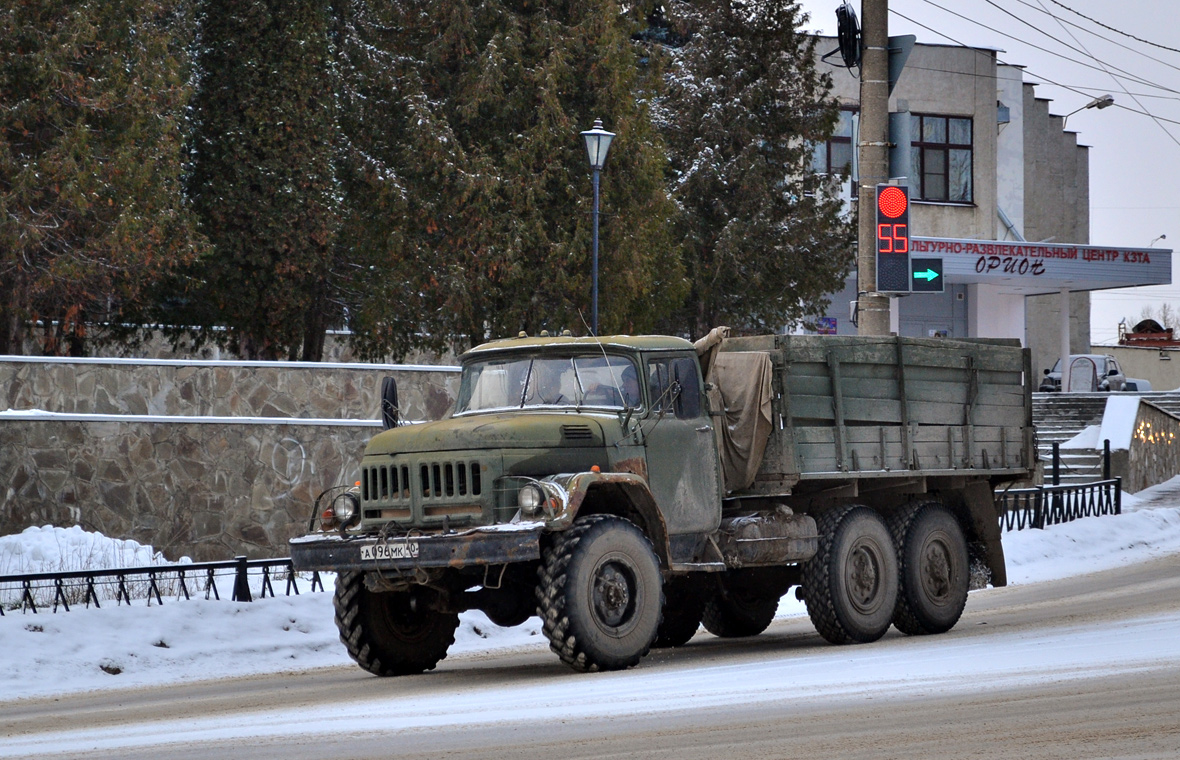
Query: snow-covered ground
[[121, 646]]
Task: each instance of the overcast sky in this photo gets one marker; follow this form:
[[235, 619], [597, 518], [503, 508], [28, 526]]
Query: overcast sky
[[1134, 159]]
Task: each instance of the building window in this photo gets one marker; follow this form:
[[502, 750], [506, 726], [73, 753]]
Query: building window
[[835, 155], [941, 154]]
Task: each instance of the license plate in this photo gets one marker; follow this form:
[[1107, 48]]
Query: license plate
[[399, 550]]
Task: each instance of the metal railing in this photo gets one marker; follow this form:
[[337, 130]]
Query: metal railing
[[1023, 508], [83, 586]]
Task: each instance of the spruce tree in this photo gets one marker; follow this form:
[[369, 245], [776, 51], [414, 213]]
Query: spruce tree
[[375, 280], [91, 208], [262, 179], [492, 184], [762, 236]]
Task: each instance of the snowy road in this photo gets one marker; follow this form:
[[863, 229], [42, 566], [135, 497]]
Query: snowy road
[[1086, 666]]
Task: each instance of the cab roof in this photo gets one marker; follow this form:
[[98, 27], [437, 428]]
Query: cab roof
[[623, 342]]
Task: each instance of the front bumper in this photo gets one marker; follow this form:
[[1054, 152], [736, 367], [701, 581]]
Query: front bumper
[[490, 545]]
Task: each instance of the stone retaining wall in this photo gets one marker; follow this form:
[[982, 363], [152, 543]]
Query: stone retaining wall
[[1154, 456], [200, 458], [208, 490]]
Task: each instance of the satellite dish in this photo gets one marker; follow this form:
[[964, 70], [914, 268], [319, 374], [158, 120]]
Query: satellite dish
[[848, 35]]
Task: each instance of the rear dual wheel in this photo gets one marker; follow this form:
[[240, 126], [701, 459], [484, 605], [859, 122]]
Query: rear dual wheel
[[851, 584], [935, 569]]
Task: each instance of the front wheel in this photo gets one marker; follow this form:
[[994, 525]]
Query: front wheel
[[935, 570], [391, 633], [600, 595], [851, 584]]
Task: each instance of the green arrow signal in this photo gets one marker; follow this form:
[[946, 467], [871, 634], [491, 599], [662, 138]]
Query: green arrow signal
[[928, 275]]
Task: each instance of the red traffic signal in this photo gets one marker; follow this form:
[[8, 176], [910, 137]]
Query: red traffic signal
[[893, 201], [893, 239]]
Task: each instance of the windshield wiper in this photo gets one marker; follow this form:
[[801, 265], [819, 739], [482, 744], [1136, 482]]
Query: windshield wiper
[[524, 392]]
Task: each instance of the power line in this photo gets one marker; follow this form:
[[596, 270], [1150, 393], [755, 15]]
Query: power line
[[1101, 37], [1129, 75], [1116, 31], [1030, 72], [1171, 136]]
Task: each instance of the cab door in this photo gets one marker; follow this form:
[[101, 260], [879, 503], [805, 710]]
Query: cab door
[[682, 462]]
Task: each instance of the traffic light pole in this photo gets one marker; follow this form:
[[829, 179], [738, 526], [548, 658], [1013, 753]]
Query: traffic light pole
[[873, 161]]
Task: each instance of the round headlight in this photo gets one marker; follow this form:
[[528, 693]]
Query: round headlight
[[530, 498], [345, 508]]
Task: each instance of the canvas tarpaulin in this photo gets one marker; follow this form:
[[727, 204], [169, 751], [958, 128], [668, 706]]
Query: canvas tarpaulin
[[743, 381]]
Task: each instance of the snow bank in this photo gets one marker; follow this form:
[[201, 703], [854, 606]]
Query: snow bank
[[1091, 544], [1118, 422], [1087, 439], [49, 549], [181, 640]]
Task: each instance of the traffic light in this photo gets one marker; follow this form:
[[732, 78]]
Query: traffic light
[[893, 239]]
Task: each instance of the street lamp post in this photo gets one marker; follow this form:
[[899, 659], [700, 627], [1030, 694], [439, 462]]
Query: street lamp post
[[1100, 102], [1103, 101], [597, 144]]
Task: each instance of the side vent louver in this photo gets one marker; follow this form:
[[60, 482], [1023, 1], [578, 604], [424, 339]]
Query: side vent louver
[[577, 432]]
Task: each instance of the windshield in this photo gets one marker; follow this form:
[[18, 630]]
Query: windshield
[[520, 382]]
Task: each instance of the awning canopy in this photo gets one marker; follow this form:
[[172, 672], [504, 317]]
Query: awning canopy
[[1035, 268]]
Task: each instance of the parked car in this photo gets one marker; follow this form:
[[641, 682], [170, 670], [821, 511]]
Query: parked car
[[1107, 374]]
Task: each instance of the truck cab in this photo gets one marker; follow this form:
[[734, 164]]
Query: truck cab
[[531, 409]]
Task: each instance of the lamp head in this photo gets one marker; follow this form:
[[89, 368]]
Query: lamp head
[[597, 144]]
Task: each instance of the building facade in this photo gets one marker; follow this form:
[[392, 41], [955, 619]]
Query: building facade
[[984, 159]]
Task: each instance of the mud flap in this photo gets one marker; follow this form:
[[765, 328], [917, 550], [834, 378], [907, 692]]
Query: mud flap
[[977, 501]]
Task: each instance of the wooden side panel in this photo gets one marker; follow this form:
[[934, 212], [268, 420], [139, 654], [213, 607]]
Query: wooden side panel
[[839, 406], [940, 447]]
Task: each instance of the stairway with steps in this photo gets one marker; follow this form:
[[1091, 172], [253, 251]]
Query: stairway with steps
[[1169, 401], [1059, 417]]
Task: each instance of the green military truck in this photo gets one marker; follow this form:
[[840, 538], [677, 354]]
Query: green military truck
[[629, 489]]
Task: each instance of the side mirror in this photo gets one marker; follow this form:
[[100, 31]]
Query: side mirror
[[1046, 372], [389, 408]]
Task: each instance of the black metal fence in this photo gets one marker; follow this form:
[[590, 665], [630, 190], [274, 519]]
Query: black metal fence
[[153, 582], [1052, 505]]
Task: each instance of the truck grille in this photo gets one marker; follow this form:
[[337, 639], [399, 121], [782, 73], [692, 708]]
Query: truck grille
[[386, 483], [440, 489], [448, 479]]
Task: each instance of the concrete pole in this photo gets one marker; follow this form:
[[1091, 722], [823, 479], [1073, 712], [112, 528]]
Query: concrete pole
[[873, 146], [1064, 340]]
